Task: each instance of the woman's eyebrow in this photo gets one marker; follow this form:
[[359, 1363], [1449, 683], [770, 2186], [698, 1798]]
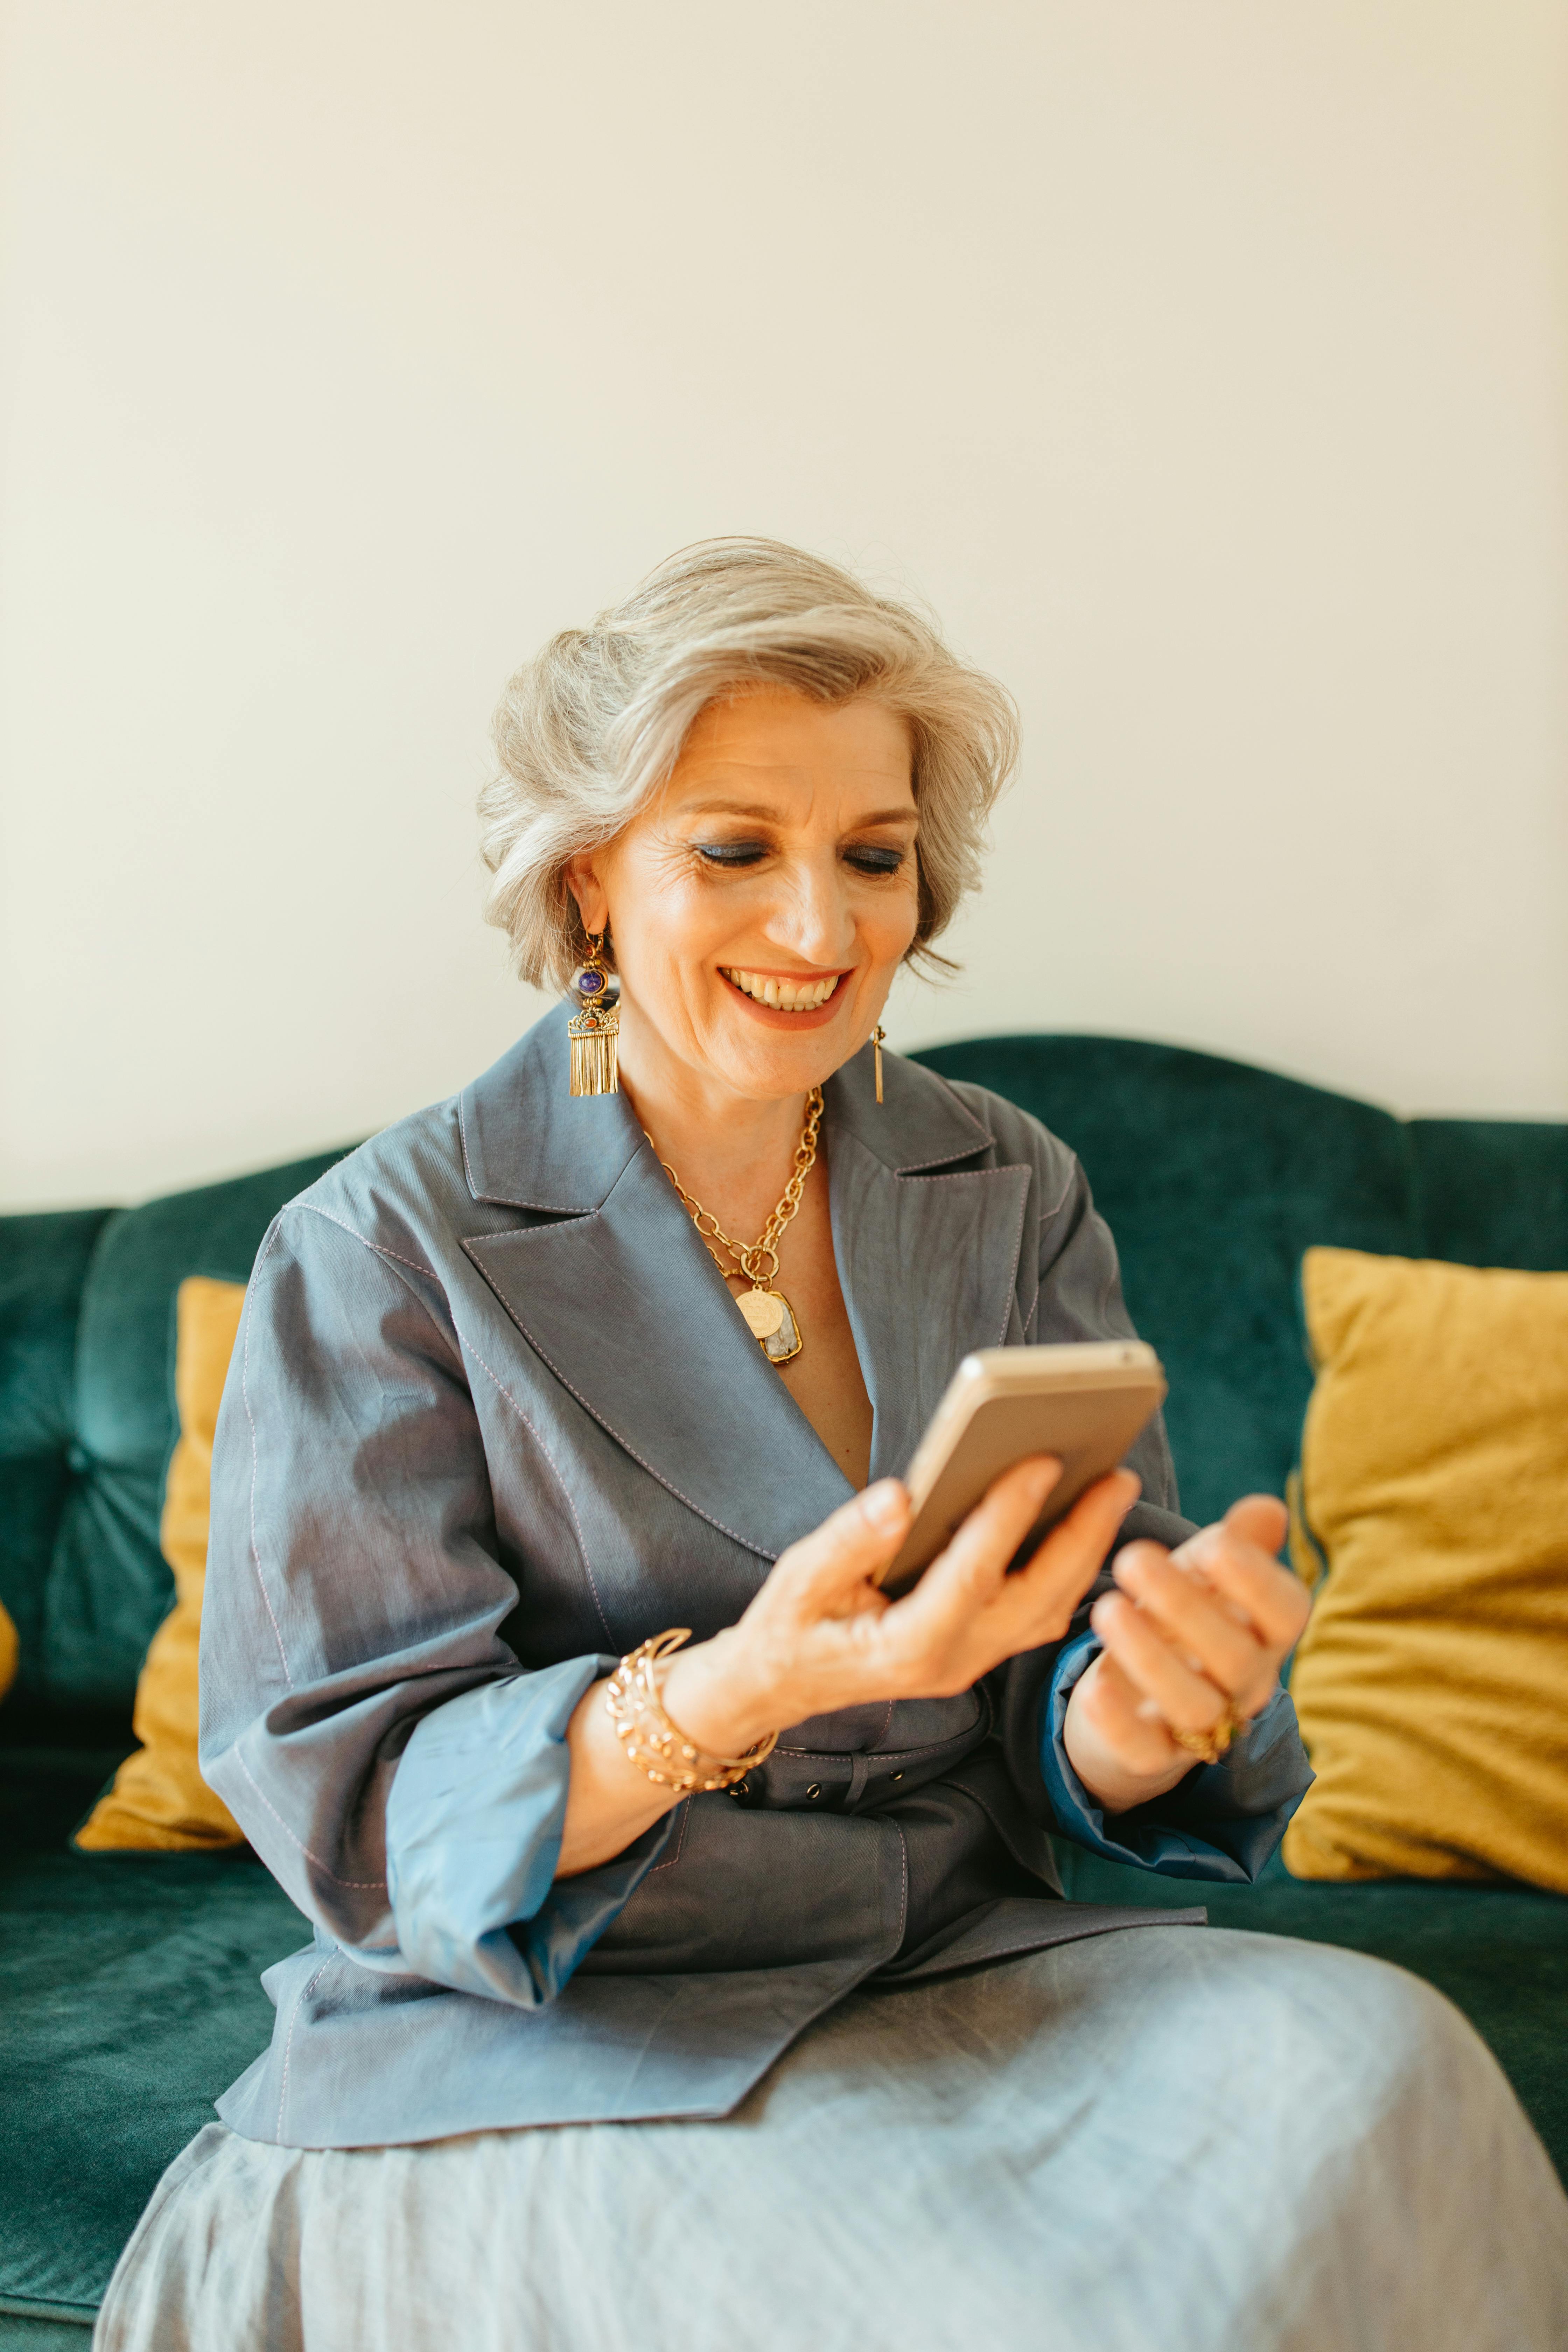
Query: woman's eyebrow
[[733, 808], [766, 811]]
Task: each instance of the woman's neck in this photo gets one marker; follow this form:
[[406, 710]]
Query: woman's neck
[[732, 1152]]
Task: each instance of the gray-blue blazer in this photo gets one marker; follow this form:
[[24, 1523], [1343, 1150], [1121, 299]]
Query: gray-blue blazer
[[493, 1420]]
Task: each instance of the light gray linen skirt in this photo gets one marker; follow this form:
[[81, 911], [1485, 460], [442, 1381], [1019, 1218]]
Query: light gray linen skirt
[[1164, 2139]]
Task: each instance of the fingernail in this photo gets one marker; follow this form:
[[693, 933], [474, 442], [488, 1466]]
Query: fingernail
[[883, 1505]]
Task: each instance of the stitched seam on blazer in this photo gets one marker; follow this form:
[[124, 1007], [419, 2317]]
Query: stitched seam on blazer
[[360, 1885], [982, 1131], [1059, 1203], [964, 1175], [903, 1889], [973, 1175], [582, 1540], [268, 1247], [671, 1859], [255, 1452], [380, 1248], [303, 1995], [505, 1200], [463, 1141], [1017, 1254], [885, 1755], [983, 1804], [667, 1484]]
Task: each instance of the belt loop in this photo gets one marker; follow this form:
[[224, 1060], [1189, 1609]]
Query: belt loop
[[860, 1773]]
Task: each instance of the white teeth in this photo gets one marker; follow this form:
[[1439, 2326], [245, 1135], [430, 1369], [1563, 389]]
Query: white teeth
[[785, 995]]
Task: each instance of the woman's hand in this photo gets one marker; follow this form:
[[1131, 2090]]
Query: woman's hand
[[1190, 1636], [821, 1634]]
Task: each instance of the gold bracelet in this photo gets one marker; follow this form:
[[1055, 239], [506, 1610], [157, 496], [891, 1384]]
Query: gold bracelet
[[655, 1745], [1209, 1745]]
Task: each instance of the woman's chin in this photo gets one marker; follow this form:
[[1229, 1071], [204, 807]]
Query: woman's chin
[[769, 1054]]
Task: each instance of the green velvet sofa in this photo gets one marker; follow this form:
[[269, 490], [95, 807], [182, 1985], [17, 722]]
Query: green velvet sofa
[[128, 1983]]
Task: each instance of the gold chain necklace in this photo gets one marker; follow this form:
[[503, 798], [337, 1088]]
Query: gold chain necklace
[[770, 1318]]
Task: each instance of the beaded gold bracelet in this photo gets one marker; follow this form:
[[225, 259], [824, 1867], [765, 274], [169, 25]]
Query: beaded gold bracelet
[[658, 1747]]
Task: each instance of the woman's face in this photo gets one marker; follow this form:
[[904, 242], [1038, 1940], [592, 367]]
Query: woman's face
[[761, 903]]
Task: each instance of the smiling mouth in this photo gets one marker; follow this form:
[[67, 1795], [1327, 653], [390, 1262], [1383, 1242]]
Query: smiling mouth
[[782, 995]]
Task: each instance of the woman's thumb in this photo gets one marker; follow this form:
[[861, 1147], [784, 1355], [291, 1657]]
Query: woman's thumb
[[859, 1538]]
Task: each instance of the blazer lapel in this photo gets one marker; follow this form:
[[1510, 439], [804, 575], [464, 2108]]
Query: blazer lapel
[[927, 1248], [619, 1297]]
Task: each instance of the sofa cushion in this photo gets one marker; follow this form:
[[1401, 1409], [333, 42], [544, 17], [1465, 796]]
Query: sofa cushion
[[1215, 1178], [159, 1799], [43, 1270], [129, 1988], [1493, 1191], [94, 1598], [1435, 1487]]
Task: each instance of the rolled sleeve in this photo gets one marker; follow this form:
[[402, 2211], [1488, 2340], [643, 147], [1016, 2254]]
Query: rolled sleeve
[[473, 1837], [1220, 1823]]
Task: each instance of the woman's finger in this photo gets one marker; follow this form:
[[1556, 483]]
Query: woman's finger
[[963, 1577], [1261, 1519], [1198, 1625], [1135, 1734], [1250, 1581], [1034, 1605], [1187, 1701]]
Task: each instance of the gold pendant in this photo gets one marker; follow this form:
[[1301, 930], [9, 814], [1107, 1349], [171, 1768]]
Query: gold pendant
[[771, 1321]]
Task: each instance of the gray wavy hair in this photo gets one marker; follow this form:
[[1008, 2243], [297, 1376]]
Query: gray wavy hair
[[591, 728]]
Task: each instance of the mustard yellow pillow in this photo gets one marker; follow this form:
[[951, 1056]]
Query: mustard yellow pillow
[[158, 1798], [7, 1652], [1432, 1680]]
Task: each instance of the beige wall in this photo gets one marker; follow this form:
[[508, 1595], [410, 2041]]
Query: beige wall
[[1204, 364]]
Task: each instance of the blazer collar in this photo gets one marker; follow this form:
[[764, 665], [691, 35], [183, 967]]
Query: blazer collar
[[618, 1296], [528, 1144], [927, 1230]]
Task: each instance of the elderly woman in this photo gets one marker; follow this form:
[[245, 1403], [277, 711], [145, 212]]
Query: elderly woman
[[763, 1920]]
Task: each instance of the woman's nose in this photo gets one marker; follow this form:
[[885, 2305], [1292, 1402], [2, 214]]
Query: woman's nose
[[812, 916]]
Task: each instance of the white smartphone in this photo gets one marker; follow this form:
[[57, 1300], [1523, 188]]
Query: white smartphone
[[1085, 1405]]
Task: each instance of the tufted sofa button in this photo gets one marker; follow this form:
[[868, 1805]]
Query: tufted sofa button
[[78, 1459]]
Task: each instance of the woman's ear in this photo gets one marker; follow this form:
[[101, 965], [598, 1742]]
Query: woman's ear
[[580, 877]]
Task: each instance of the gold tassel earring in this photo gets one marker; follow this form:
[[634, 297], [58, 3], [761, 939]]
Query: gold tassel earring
[[878, 1033], [597, 1023]]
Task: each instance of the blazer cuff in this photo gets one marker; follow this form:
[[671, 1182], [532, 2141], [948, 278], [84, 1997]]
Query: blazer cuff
[[473, 1837], [1222, 1822]]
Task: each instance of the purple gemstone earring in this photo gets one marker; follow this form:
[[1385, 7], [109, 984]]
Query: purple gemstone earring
[[595, 1024]]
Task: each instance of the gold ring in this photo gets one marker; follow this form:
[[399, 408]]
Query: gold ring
[[1209, 1747]]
